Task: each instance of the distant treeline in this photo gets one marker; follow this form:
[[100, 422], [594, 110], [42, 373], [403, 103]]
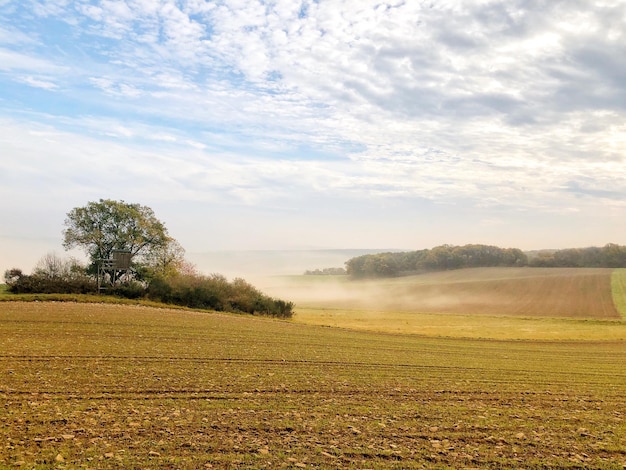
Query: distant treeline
[[325, 272], [446, 257]]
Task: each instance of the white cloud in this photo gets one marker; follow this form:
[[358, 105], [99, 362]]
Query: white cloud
[[493, 105], [50, 7], [11, 35], [116, 88], [10, 60], [39, 83]]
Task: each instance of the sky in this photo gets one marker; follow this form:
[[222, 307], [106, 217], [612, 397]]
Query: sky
[[316, 124]]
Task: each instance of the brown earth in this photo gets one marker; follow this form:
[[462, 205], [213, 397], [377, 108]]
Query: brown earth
[[529, 292], [101, 386]]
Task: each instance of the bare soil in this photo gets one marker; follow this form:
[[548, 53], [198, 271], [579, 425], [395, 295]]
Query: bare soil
[[527, 292], [102, 386]]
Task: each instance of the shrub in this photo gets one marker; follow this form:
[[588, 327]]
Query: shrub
[[214, 292], [52, 275], [37, 284], [128, 290], [161, 289]]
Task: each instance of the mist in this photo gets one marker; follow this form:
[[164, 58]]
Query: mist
[[261, 265]]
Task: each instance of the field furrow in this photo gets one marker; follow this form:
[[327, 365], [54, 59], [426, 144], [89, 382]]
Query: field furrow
[[528, 292], [110, 386]]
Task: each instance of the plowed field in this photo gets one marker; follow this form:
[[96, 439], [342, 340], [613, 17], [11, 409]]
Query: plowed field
[[528, 292], [103, 386]]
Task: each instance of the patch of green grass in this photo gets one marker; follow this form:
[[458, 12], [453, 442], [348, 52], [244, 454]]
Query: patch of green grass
[[117, 386], [464, 326], [88, 299], [618, 289]]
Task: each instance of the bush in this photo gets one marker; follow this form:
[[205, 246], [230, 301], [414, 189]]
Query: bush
[[52, 275], [160, 289], [216, 293], [128, 290], [37, 284]]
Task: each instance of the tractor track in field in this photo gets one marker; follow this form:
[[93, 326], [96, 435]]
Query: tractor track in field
[[277, 362]]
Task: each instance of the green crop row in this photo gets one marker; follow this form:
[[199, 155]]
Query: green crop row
[[618, 289]]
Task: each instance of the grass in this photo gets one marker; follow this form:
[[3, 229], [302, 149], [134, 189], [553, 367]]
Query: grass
[[88, 299], [464, 326], [618, 288], [110, 386]]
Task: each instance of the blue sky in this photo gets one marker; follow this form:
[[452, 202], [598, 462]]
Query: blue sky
[[251, 124]]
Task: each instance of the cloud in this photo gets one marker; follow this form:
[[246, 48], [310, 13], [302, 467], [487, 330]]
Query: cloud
[[10, 61], [588, 187], [114, 88], [39, 83], [493, 105]]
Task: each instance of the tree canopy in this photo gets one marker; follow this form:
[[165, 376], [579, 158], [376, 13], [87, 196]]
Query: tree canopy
[[107, 225]]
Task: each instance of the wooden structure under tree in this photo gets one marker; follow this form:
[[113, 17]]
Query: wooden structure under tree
[[112, 270]]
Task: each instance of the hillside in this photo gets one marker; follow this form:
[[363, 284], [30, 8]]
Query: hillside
[[527, 292], [105, 386]]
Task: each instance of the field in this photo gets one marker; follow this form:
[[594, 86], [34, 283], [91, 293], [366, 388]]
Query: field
[[618, 287], [484, 368], [113, 386], [502, 303]]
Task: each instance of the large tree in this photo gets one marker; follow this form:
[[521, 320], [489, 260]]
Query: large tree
[[107, 225]]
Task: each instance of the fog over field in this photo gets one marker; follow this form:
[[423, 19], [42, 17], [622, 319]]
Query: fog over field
[[522, 292], [267, 263]]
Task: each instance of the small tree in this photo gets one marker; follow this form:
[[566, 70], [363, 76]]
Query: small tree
[[52, 266], [52, 275]]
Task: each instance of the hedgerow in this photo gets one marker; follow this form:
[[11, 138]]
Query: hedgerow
[[215, 292], [212, 292]]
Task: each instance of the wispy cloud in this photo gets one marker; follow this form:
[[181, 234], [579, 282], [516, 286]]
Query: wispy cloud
[[38, 82]]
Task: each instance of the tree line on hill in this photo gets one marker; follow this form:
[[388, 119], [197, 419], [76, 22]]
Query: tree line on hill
[[447, 257], [132, 255], [325, 272]]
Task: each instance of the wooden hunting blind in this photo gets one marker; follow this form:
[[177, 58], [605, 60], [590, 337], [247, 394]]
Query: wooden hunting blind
[[114, 269], [121, 259]]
